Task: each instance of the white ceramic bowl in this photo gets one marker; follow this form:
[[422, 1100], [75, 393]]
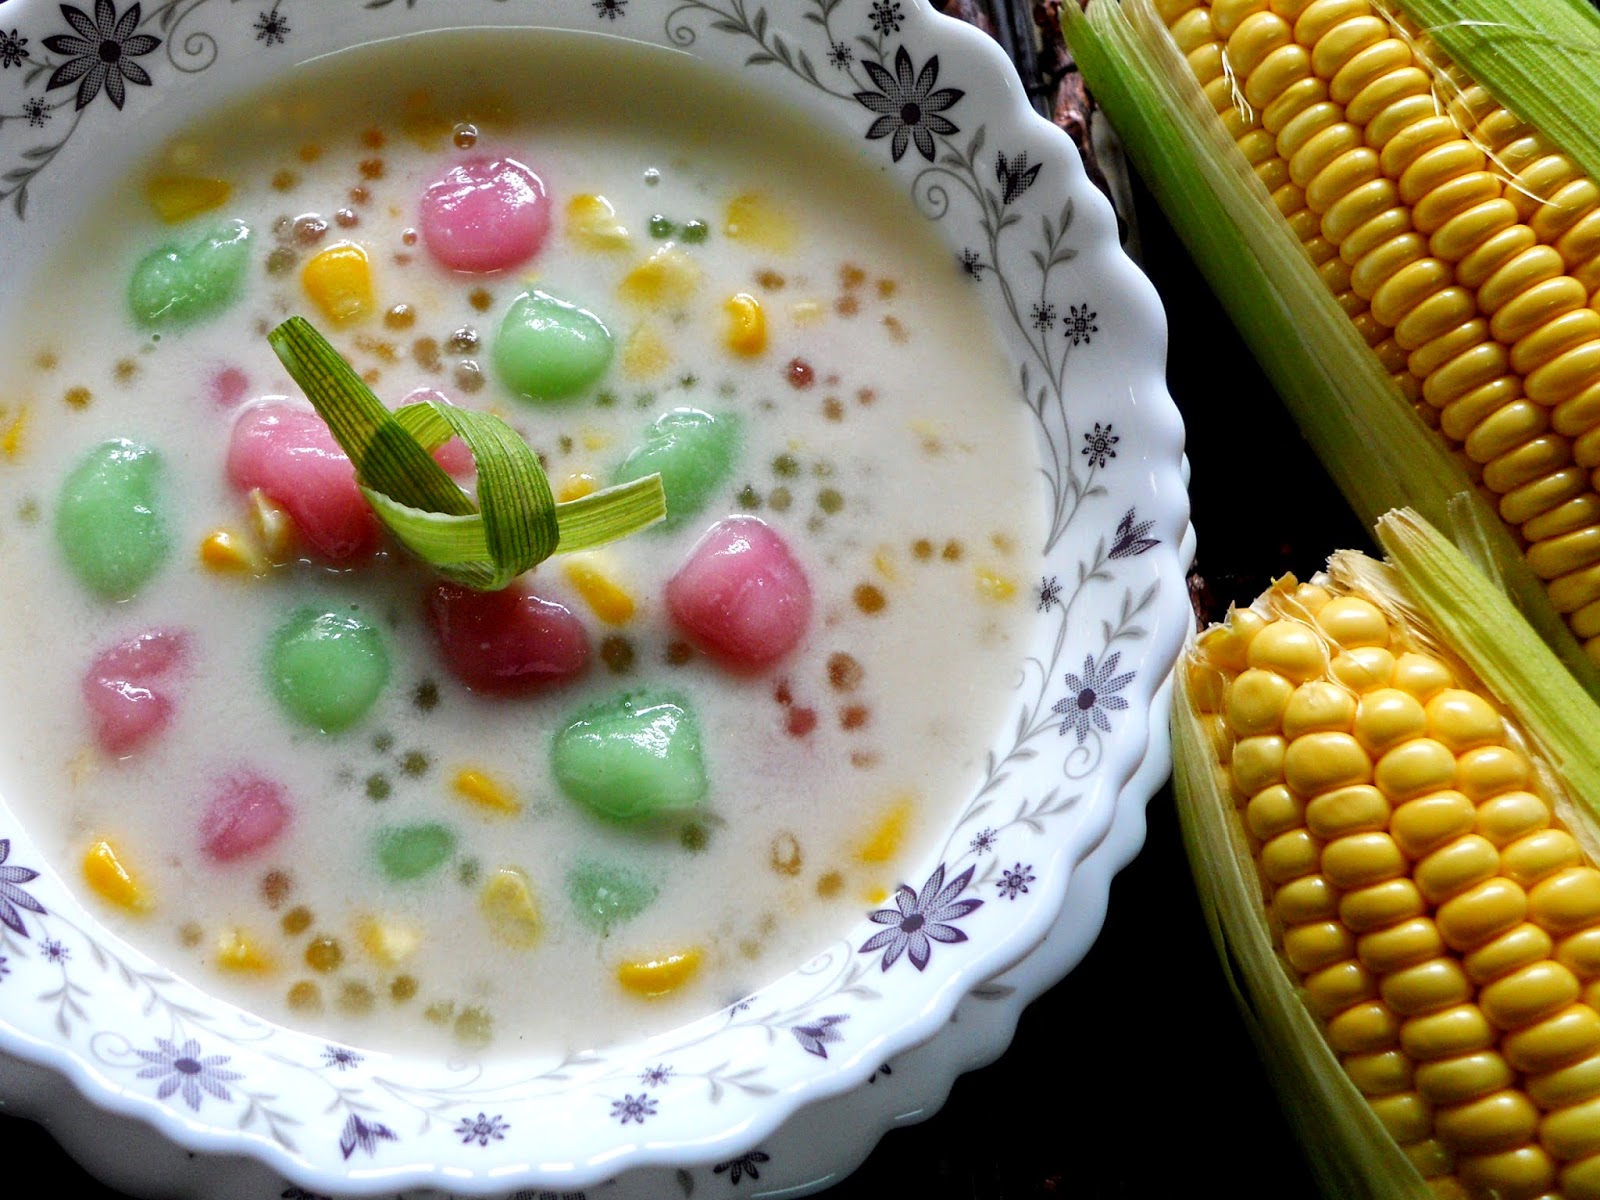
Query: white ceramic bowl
[[1084, 331]]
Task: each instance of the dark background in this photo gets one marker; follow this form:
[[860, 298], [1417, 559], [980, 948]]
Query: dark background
[[1133, 1077]]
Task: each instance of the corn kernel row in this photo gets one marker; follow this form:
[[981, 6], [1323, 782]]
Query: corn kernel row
[[1442, 922], [1464, 247]]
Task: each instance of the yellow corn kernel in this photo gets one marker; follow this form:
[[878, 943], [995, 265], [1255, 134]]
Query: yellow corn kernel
[[508, 905], [228, 552], [485, 791], [593, 577], [339, 282], [179, 197], [806, 312], [105, 873], [745, 329], [883, 842], [389, 940], [238, 951], [595, 439], [645, 353], [992, 585], [592, 223], [11, 436], [272, 527], [576, 486], [654, 977], [752, 217], [668, 279]]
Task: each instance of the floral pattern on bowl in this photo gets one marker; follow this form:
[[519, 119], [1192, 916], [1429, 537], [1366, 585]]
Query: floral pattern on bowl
[[939, 108]]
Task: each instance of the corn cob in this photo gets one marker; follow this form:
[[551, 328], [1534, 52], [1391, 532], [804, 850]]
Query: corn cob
[[1467, 275], [1408, 845]]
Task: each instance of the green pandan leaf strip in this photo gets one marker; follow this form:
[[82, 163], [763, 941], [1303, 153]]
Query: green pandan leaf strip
[[514, 524]]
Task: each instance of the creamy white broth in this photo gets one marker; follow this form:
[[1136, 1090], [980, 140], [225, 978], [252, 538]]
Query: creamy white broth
[[821, 800]]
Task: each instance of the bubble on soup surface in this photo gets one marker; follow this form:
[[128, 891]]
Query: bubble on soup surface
[[245, 814], [632, 757], [327, 669], [694, 453], [181, 283], [508, 643], [110, 519], [124, 691], [550, 349], [288, 453], [741, 596], [408, 852], [605, 895], [485, 214]]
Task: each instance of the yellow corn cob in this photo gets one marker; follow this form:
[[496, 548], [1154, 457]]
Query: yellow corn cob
[[1421, 878], [1465, 248]]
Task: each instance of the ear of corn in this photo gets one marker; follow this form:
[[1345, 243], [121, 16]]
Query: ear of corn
[[1425, 317], [1399, 885]]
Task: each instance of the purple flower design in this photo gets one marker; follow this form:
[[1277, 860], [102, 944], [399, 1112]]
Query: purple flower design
[[182, 1070], [4, 969], [364, 1135], [655, 1076], [737, 1168], [1049, 591], [633, 1108], [483, 1130], [813, 1039], [340, 1058], [918, 920], [12, 897], [1015, 881], [1130, 538], [101, 52], [1093, 695], [908, 105], [13, 49], [54, 951], [1097, 446], [984, 841]]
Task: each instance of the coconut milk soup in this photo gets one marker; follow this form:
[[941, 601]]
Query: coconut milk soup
[[281, 758]]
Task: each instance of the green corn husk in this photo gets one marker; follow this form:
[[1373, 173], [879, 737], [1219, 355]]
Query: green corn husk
[[1376, 449], [1432, 587]]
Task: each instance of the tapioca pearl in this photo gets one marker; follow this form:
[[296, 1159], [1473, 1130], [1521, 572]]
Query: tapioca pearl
[[127, 689], [111, 522], [327, 669], [453, 456], [605, 895], [245, 814], [485, 214], [632, 757], [184, 283], [549, 349], [741, 596], [289, 455], [693, 452], [407, 852], [507, 643]]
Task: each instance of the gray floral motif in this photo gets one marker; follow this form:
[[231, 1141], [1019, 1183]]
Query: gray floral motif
[[918, 920], [1043, 315], [610, 10], [364, 1135], [12, 897], [1015, 176], [971, 264], [633, 1108], [655, 1076], [101, 51], [340, 1058], [483, 1130], [1049, 591], [1094, 693], [814, 1038], [13, 49], [36, 110], [181, 1069], [1014, 882], [737, 1168], [908, 105], [1080, 323], [840, 55], [886, 16]]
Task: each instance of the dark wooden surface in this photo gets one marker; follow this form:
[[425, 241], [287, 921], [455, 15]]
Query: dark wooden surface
[[1132, 1078]]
